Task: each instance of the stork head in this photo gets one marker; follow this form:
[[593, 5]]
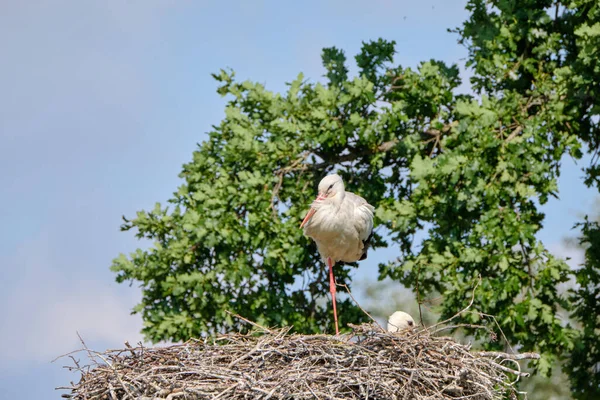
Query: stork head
[[399, 321], [330, 186]]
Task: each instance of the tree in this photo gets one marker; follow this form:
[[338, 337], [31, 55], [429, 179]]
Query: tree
[[585, 357], [548, 51], [470, 172]]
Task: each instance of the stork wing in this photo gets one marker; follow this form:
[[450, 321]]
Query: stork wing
[[363, 216]]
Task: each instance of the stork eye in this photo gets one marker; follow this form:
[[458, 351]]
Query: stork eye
[[330, 186], [410, 323]]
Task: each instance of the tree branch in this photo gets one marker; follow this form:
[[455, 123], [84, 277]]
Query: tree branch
[[355, 154], [522, 356], [514, 133]]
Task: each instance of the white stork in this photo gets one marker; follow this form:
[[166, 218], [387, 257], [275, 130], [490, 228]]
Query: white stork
[[341, 223], [399, 321]]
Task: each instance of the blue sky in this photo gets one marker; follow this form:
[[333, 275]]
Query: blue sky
[[101, 102]]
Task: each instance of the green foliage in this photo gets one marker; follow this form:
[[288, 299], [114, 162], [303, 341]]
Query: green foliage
[[469, 172], [583, 363], [547, 52]]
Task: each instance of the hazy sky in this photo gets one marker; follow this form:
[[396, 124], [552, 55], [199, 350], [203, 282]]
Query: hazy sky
[[101, 102]]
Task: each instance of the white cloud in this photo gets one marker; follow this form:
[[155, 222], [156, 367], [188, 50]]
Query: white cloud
[[574, 256]]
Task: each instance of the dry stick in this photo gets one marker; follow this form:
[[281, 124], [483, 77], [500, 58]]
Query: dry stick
[[68, 354], [512, 371], [116, 373], [522, 356], [412, 374], [89, 355], [519, 374], [449, 327], [464, 309], [111, 390], [174, 395], [76, 363], [359, 306], [419, 295], [244, 356], [249, 322], [500, 329], [89, 352]]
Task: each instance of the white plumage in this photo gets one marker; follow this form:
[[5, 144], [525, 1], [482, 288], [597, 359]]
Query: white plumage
[[399, 321], [341, 224]]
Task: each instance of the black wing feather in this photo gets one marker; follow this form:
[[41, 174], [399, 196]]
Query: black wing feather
[[366, 244]]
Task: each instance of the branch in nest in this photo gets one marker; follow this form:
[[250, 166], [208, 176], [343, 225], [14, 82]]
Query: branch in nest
[[498, 354]]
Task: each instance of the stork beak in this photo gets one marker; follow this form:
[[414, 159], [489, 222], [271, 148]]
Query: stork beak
[[312, 211]]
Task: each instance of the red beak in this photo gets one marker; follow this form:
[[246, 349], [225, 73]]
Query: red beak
[[312, 211]]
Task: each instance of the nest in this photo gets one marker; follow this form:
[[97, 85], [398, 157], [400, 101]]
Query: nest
[[369, 363]]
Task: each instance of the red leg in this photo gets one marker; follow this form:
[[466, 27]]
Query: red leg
[[332, 290]]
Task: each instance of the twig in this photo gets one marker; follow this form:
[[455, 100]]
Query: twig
[[296, 165], [498, 354], [359, 306], [248, 321], [452, 327], [514, 133], [500, 329], [68, 354], [419, 294], [463, 310]]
